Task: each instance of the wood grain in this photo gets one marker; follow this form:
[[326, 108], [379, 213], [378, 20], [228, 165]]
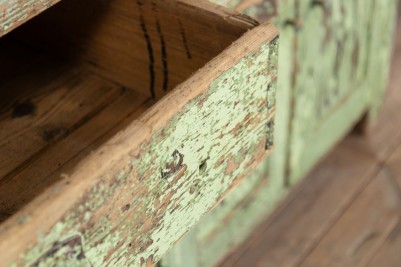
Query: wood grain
[[389, 254], [290, 233], [64, 124], [147, 46], [135, 194], [362, 228], [38, 120]]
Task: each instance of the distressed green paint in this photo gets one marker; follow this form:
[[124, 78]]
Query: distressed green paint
[[134, 217], [333, 68], [265, 192]]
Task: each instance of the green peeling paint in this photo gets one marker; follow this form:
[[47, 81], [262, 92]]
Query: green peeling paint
[[333, 68], [179, 174]]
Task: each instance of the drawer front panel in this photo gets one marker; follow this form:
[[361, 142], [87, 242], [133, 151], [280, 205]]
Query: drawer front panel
[[141, 191]]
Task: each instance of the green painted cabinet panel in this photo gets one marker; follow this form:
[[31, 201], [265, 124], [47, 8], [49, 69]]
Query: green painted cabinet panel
[[334, 60]]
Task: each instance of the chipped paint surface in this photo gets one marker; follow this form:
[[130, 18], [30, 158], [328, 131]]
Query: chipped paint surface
[[332, 85], [15, 12], [169, 181], [334, 61], [337, 50]]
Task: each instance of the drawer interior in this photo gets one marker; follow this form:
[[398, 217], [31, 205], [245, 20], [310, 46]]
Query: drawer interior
[[83, 70]]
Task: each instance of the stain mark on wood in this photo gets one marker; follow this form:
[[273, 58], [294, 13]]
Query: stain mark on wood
[[54, 133], [184, 39], [70, 248], [24, 109]]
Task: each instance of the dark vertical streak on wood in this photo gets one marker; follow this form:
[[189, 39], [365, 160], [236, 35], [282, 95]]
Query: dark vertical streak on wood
[[164, 56], [184, 39], [150, 50]]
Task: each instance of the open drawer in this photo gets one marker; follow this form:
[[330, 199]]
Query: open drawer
[[101, 162]]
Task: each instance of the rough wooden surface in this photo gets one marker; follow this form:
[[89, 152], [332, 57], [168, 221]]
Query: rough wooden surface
[[362, 228], [318, 217], [128, 201], [389, 253], [50, 124], [147, 46]]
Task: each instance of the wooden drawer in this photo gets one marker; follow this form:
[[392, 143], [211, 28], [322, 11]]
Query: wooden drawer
[[123, 122]]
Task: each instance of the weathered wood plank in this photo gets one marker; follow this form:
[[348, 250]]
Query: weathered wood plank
[[70, 117], [306, 216], [132, 198], [389, 255], [13, 13], [362, 228], [45, 115]]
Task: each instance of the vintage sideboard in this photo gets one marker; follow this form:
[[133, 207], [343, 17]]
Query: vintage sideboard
[[142, 132], [334, 59]]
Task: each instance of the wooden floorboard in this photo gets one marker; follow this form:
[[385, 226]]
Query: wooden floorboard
[[295, 230], [389, 253], [361, 229], [347, 211]]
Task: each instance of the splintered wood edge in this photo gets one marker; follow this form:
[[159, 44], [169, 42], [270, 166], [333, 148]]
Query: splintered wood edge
[[230, 16], [16, 12], [57, 201]]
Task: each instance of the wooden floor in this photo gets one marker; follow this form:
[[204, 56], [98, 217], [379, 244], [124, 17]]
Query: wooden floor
[[347, 212]]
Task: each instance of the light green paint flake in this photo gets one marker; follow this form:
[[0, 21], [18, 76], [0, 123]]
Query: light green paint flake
[[134, 217]]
